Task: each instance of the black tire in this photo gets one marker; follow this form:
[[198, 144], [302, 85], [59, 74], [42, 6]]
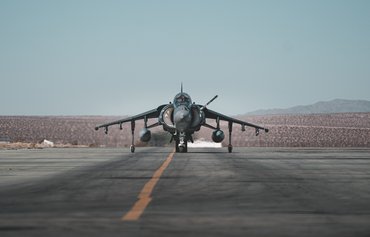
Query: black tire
[[186, 147], [177, 146], [230, 148], [182, 149]]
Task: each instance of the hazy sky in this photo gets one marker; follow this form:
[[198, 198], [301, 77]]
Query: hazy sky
[[126, 57]]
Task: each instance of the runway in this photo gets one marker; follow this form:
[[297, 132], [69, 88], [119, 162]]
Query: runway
[[206, 192]]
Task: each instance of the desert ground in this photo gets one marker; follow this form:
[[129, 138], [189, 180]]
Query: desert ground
[[320, 130]]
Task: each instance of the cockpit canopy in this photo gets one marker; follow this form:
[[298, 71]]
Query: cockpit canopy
[[182, 99]]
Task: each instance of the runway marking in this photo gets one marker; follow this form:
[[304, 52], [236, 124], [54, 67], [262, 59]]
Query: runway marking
[[145, 195]]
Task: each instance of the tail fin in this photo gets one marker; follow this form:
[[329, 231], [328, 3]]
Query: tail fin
[[181, 87]]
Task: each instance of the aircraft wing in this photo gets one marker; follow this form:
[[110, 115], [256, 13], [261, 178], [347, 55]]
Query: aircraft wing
[[214, 115], [154, 113]]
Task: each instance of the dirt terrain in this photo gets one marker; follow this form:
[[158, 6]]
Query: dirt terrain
[[322, 130]]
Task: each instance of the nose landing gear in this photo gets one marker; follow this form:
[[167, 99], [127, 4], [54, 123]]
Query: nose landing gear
[[182, 147], [181, 144]]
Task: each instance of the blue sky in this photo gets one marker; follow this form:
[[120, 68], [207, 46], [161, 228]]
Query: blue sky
[[126, 57]]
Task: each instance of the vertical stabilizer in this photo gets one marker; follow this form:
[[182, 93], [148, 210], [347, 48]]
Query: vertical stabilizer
[[181, 87]]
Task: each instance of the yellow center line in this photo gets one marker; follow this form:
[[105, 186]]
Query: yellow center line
[[145, 194]]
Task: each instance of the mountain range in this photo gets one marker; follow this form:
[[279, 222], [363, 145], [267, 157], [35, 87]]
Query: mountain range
[[322, 107]]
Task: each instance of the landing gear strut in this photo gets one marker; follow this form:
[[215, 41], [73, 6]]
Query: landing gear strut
[[230, 147], [132, 147]]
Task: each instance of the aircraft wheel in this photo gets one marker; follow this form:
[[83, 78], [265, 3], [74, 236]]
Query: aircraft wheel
[[182, 149], [132, 148], [177, 146], [230, 148]]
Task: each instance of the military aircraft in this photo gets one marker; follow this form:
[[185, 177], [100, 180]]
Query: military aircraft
[[182, 118]]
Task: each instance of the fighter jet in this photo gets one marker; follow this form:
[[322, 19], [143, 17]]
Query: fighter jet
[[182, 118]]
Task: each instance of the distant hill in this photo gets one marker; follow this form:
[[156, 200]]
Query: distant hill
[[322, 107]]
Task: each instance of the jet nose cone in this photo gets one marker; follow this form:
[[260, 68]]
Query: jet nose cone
[[182, 118]]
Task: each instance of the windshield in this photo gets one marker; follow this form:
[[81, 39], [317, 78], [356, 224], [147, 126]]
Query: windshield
[[182, 99]]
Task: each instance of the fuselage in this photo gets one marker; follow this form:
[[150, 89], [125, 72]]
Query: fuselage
[[182, 116]]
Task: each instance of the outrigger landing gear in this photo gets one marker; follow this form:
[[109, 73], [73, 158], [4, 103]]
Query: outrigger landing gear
[[230, 147], [132, 147], [181, 144]]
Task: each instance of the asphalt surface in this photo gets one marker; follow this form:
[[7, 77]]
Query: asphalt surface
[[206, 192]]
